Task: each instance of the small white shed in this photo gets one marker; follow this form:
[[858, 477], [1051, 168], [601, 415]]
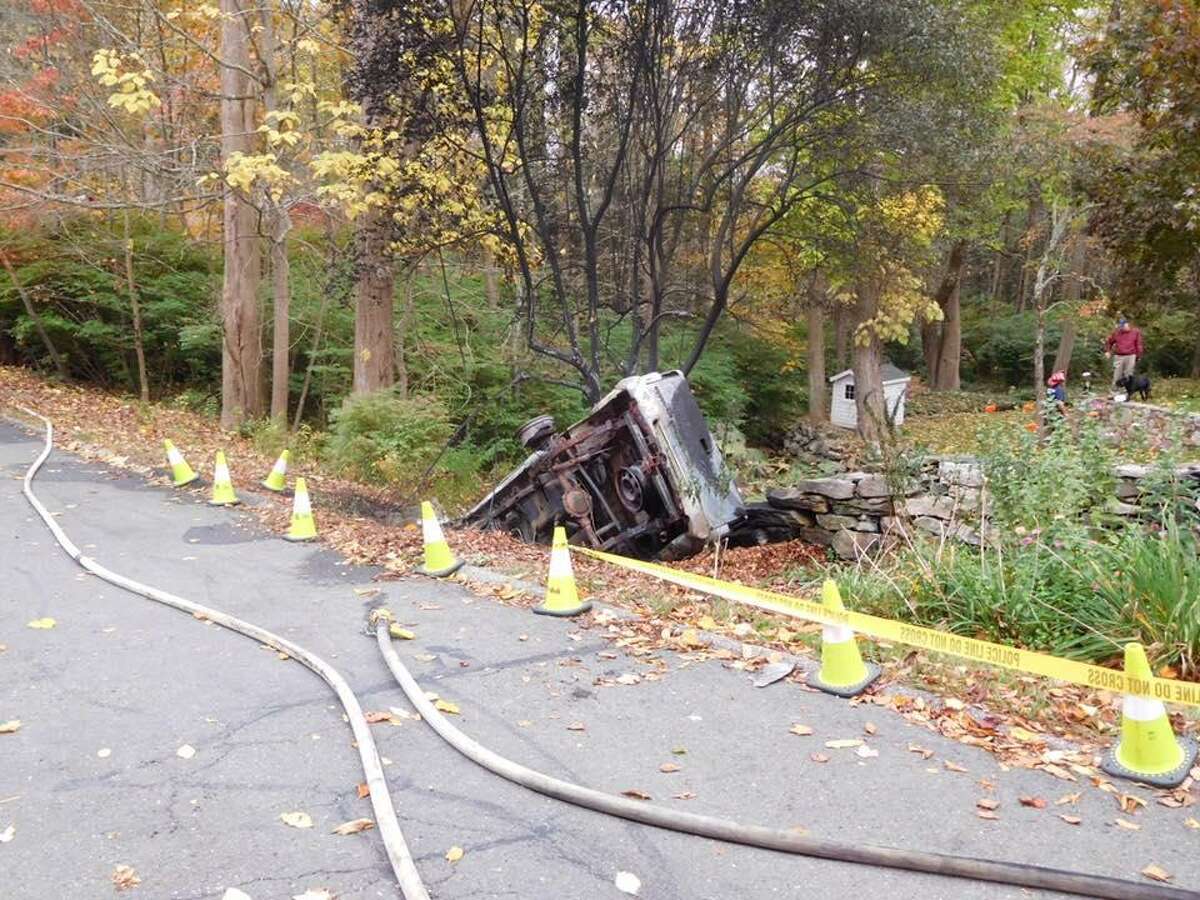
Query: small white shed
[[842, 409]]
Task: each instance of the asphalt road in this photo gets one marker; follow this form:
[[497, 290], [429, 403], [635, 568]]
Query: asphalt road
[[92, 779]]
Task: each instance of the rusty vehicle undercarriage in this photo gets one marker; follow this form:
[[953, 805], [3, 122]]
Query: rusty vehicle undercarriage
[[641, 475]]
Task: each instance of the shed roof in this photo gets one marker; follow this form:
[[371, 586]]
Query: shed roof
[[889, 373]]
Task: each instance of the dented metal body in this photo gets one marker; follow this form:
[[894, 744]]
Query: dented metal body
[[641, 475]]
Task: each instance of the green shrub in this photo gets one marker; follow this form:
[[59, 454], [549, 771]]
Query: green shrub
[[1151, 584], [1051, 485], [381, 437]]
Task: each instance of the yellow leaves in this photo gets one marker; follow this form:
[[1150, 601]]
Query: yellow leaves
[[129, 77], [446, 706], [354, 826], [125, 878], [12, 726], [42, 624], [308, 45], [244, 171], [1157, 873], [402, 633], [296, 819], [454, 854]]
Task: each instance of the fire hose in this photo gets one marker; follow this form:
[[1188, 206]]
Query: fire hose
[[385, 814], [1000, 872]]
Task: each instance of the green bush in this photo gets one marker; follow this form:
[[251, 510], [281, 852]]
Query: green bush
[[381, 437], [1055, 485], [1151, 585]]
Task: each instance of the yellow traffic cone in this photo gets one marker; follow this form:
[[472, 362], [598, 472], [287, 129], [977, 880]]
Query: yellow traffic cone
[[1148, 750], [439, 561], [181, 472], [562, 599], [843, 671], [222, 488], [303, 527], [277, 480]]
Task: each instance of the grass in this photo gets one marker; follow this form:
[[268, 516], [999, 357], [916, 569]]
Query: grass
[[1178, 393]]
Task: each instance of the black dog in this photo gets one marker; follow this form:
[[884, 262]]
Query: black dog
[[1135, 384]]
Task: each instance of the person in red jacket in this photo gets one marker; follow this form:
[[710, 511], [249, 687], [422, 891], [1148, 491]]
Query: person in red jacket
[[1125, 345]]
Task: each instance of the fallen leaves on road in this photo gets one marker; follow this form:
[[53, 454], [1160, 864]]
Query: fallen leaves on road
[[669, 767], [870, 728], [636, 794], [1189, 822], [1070, 820], [684, 795], [364, 791], [576, 726], [376, 717], [819, 757], [802, 730], [125, 878], [354, 826], [8, 834], [952, 766], [296, 819], [42, 623], [12, 726], [451, 709], [628, 883], [987, 803], [925, 752], [987, 814], [454, 854], [1068, 799], [843, 743], [1034, 802], [1127, 825], [187, 751], [1129, 803], [1157, 873], [679, 751], [865, 752], [402, 633]]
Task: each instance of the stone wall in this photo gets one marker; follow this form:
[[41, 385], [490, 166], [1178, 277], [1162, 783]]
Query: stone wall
[[1143, 424], [860, 512]]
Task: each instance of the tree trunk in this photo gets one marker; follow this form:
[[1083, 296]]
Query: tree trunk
[[950, 358], [281, 225], [873, 425], [241, 353], [841, 336], [281, 297], [139, 346], [1066, 346], [491, 280], [374, 334], [1072, 292], [816, 362], [31, 311]]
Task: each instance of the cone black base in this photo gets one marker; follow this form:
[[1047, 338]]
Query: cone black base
[[440, 573], [1173, 778], [844, 690], [564, 613]]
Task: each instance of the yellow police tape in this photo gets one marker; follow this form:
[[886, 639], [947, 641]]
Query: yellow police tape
[[1165, 689]]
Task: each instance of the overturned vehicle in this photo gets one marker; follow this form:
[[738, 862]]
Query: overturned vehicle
[[640, 476]]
